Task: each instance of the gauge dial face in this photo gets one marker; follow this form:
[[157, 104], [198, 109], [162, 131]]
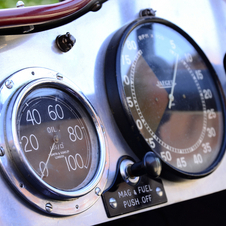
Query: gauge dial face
[[168, 92], [58, 139]]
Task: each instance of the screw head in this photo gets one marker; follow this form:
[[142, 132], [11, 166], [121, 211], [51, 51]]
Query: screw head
[[59, 76], [113, 203], [159, 191], [49, 207], [9, 84], [98, 191]]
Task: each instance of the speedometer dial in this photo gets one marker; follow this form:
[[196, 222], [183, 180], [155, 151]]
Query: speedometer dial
[[167, 97]]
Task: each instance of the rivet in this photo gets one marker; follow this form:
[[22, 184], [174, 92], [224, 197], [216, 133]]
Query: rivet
[[98, 191], [113, 203], [77, 207], [159, 191], [49, 207], [9, 84]]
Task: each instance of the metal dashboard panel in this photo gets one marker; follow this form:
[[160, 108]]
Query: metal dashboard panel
[[204, 21]]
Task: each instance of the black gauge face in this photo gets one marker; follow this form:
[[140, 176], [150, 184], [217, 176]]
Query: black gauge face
[[58, 138], [169, 94]]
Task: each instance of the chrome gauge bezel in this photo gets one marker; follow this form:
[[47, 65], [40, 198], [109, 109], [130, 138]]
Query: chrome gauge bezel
[[14, 163], [121, 111]]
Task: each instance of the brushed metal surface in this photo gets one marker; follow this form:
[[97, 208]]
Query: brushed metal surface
[[204, 21]]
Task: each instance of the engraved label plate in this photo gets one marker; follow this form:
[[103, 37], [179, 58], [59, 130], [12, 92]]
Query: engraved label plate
[[123, 198]]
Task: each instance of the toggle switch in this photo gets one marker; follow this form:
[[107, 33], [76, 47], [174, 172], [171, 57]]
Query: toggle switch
[[150, 166]]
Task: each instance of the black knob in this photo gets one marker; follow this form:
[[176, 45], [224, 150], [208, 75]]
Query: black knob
[[65, 42], [150, 165], [147, 12]]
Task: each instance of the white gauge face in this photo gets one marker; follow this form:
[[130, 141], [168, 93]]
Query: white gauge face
[[169, 94], [58, 138]]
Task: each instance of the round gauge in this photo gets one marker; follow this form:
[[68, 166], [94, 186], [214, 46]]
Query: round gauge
[[166, 97], [54, 146], [57, 138]]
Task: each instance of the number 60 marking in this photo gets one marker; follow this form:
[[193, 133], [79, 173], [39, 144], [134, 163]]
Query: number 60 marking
[[58, 113]]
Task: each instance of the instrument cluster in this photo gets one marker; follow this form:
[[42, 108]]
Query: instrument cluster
[[110, 111]]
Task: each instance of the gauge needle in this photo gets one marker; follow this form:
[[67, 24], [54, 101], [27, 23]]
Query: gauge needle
[[171, 97], [47, 160]]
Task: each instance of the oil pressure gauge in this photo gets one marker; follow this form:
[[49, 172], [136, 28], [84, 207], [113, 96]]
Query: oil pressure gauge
[[57, 139], [166, 97], [54, 144]]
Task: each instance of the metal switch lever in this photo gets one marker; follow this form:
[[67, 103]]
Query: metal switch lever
[[150, 165]]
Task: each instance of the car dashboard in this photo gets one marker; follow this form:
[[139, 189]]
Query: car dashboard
[[112, 112]]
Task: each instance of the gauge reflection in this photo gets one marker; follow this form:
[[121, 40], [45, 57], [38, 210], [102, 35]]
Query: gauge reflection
[[172, 96]]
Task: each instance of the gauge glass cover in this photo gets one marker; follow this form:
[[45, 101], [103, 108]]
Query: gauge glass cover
[[170, 95], [58, 138]]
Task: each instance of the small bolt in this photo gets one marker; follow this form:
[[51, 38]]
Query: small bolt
[[98, 191], [77, 207], [33, 73], [2, 152], [113, 203], [59, 76], [9, 84], [159, 191], [21, 185], [147, 12], [20, 4], [49, 207]]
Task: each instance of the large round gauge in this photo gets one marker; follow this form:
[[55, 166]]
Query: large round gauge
[[165, 96], [54, 146], [57, 139]]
